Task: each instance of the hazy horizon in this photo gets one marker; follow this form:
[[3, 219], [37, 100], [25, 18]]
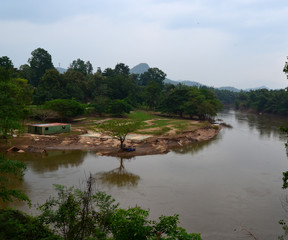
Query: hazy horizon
[[239, 43]]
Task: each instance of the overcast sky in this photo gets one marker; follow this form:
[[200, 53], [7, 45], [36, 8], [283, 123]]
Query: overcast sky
[[240, 43]]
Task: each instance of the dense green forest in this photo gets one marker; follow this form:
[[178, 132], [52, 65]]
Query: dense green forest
[[114, 91], [264, 101]]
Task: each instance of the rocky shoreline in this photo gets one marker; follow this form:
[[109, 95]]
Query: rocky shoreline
[[107, 146]]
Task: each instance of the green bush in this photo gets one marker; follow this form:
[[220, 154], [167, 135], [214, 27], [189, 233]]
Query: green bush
[[66, 108], [119, 107], [18, 226]]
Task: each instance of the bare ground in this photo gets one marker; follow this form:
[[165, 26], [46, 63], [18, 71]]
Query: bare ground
[[104, 145]]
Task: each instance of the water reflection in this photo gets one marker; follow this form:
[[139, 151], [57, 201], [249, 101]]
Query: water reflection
[[194, 148], [266, 125], [51, 160], [119, 177]]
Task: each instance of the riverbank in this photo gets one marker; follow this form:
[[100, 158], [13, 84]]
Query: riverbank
[[81, 139]]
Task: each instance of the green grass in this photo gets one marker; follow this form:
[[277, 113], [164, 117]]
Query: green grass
[[164, 126], [158, 125], [141, 116]]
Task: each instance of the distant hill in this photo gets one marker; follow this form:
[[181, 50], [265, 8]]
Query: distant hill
[[140, 68], [143, 67], [185, 82], [61, 70], [262, 87], [232, 89]]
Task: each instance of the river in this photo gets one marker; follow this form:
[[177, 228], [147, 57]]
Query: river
[[221, 188]]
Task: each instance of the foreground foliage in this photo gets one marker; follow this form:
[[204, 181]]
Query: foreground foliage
[[15, 95], [78, 214], [18, 226], [11, 170]]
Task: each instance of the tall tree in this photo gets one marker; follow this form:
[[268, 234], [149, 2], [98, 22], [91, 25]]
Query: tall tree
[[152, 94], [76, 85], [97, 86], [15, 95], [40, 61], [175, 100], [89, 68], [153, 74], [52, 86], [6, 62], [80, 66], [121, 68]]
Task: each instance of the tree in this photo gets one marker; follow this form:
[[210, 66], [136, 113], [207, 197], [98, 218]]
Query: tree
[[25, 72], [119, 129], [83, 215], [15, 95], [78, 214], [75, 85], [43, 114], [80, 66], [152, 94], [133, 223], [17, 225], [153, 74], [118, 107], [100, 104], [191, 101], [11, 170], [120, 86], [52, 86], [264, 101], [6, 63], [285, 69], [175, 100], [121, 68], [89, 68], [66, 108], [97, 86], [40, 61]]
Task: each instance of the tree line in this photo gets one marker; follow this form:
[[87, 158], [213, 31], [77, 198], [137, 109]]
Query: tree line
[[114, 91], [264, 101]]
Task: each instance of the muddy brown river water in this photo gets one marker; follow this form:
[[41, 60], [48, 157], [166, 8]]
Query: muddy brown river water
[[218, 188]]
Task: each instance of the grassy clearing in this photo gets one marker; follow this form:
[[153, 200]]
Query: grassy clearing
[[160, 125], [141, 116], [156, 125]]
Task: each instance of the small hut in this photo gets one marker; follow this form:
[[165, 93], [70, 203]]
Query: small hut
[[49, 128]]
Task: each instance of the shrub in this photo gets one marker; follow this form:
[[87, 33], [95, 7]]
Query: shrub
[[18, 226], [66, 108]]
